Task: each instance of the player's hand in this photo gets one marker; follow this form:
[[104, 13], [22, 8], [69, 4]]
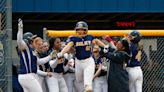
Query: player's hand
[[106, 49], [60, 60], [105, 37], [71, 62], [68, 56], [20, 23], [49, 74], [53, 55], [59, 55], [104, 68]]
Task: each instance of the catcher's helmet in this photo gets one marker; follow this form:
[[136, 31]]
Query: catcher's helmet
[[27, 37], [136, 36], [81, 25]]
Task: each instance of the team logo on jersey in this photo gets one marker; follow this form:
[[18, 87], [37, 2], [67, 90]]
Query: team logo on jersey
[[85, 43], [105, 62]]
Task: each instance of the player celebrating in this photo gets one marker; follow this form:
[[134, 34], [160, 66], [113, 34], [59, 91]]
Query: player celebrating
[[85, 66], [100, 77], [134, 65], [28, 61], [56, 82]]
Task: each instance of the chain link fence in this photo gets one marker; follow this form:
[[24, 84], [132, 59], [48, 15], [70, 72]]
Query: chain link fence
[[5, 46], [153, 64], [3, 68]]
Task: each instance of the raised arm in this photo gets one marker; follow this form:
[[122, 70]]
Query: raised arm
[[115, 57], [66, 48], [110, 41], [41, 61], [21, 44], [53, 63], [98, 42], [44, 60]]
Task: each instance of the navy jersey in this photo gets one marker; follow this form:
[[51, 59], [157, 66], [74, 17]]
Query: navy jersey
[[133, 61], [45, 66], [82, 46], [28, 61], [59, 68], [97, 63], [68, 71]]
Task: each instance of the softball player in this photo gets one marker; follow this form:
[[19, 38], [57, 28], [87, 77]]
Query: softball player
[[56, 82], [69, 76], [100, 78], [84, 69], [28, 61], [42, 70], [134, 65]]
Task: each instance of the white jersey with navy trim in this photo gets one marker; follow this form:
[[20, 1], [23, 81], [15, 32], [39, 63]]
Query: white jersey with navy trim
[[28, 58], [28, 61]]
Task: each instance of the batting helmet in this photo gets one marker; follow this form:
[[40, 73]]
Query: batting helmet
[[27, 37], [81, 25], [136, 36]]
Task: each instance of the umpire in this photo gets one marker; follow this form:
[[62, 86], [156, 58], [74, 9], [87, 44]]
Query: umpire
[[118, 80]]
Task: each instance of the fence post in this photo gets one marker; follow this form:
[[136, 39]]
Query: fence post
[[8, 44]]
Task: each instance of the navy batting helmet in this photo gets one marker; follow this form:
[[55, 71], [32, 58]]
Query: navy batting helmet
[[27, 37], [136, 36], [81, 25]]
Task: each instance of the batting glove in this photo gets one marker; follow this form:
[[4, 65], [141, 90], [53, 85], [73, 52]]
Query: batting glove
[[106, 49], [59, 55], [20, 24]]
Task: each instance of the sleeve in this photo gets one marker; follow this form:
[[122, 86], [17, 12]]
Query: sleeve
[[92, 37], [71, 69], [70, 39], [20, 41], [53, 63], [44, 60], [68, 56], [111, 43], [66, 68], [42, 73], [117, 57]]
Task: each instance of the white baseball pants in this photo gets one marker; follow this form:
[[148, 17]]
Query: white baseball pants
[[29, 82], [84, 71], [56, 83], [135, 78], [100, 84]]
